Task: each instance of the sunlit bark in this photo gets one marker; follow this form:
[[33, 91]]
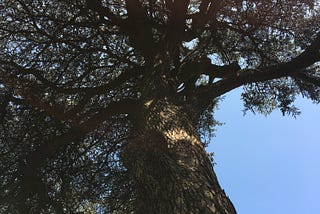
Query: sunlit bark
[[170, 167]]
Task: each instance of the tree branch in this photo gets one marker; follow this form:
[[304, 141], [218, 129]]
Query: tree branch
[[138, 28], [123, 77], [96, 5], [307, 78], [307, 58], [128, 106]]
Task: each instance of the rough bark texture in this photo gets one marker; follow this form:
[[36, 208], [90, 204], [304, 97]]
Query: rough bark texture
[[103, 71], [170, 167]]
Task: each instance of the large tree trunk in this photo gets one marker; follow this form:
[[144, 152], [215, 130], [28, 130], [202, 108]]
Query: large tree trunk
[[169, 165]]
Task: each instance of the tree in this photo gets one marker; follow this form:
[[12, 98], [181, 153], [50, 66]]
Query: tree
[[105, 105]]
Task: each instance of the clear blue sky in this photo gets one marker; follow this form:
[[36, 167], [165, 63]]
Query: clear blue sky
[[269, 164]]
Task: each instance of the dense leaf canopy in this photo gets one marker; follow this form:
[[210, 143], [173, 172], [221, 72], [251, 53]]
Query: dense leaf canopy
[[72, 73]]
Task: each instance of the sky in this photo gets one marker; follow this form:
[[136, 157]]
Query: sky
[[268, 164]]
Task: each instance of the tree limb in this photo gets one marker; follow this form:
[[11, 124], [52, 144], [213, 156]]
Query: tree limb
[[307, 58], [307, 78]]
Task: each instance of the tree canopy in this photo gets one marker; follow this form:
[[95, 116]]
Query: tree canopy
[[73, 74]]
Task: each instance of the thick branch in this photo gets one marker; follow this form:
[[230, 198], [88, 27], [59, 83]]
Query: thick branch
[[37, 158], [123, 77], [177, 20], [85, 122], [138, 28], [204, 66], [81, 129], [208, 11], [307, 78], [310, 56], [122, 107]]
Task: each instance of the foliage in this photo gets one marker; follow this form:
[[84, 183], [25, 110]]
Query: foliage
[[72, 73]]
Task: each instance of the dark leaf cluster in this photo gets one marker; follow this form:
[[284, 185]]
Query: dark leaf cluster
[[74, 75]]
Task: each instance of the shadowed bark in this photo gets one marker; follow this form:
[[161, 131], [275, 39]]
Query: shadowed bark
[[103, 103], [170, 168]]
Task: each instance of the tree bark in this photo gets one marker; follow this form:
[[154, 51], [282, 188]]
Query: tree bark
[[169, 165]]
